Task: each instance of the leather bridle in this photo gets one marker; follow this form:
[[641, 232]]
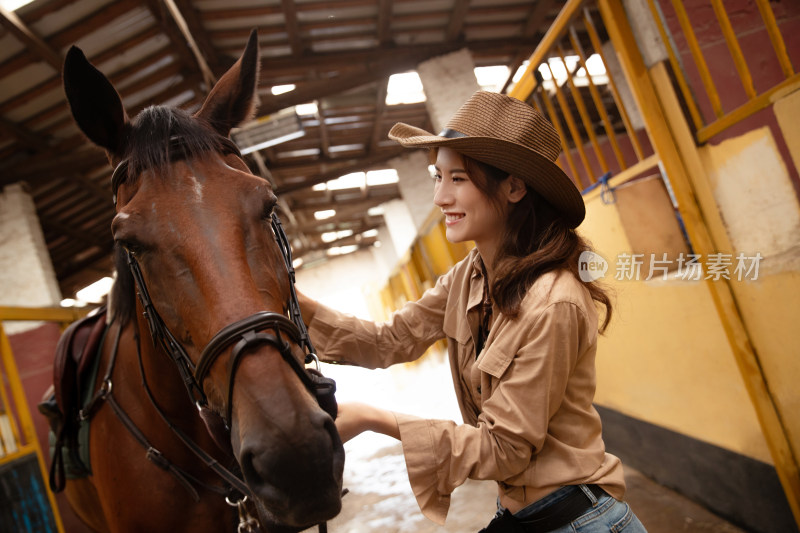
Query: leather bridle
[[245, 334], [263, 327]]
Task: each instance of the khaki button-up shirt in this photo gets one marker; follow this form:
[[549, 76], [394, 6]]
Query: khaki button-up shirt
[[526, 400]]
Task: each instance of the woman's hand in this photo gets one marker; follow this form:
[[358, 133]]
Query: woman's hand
[[355, 418]]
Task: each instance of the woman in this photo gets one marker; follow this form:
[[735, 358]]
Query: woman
[[521, 331]]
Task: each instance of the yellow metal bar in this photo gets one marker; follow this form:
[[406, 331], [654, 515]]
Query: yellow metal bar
[[775, 36], [19, 453], [12, 420], [673, 143], [25, 420], [623, 113], [688, 97], [598, 101], [523, 89], [573, 128], [734, 48], [50, 314], [745, 110], [551, 112], [699, 60], [626, 175], [17, 392], [587, 123]]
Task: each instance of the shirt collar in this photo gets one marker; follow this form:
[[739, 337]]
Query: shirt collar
[[475, 282]]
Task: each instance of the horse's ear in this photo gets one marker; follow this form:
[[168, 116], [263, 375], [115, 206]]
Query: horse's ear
[[94, 102], [232, 100]]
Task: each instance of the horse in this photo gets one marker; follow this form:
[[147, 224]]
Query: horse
[[232, 432]]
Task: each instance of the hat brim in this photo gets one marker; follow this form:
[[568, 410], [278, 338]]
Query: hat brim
[[544, 176]]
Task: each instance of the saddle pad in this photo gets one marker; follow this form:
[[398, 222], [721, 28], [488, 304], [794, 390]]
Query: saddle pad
[[74, 372], [75, 452], [74, 353]]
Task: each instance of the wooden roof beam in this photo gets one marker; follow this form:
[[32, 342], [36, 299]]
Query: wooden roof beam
[[374, 71], [384, 22], [102, 16], [208, 75], [456, 24], [22, 136], [325, 144], [175, 35], [382, 55], [292, 27], [192, 17], [354, 239], [532, 25], [54, 83], [352, 165], [33, 42], [360, 228], [380, 107]]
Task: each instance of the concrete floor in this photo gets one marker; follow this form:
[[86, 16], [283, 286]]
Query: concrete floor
[[380, 500], [662, 510]]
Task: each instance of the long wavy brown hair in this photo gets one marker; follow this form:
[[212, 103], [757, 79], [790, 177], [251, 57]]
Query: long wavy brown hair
[[536, 241]]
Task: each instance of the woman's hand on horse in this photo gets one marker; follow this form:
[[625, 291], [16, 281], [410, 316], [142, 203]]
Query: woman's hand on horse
[[355, 418]]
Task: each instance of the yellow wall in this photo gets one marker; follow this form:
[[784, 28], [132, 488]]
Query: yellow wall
[[770, 308], [759, 211], [665, 358]]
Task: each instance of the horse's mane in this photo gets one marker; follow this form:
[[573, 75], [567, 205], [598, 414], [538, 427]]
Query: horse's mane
[[158, 136]]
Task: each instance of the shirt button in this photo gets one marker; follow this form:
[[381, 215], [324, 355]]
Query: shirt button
[[479, 389]]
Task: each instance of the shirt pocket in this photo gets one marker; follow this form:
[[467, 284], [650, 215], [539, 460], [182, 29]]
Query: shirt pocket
[[456, 327], [495, 360]]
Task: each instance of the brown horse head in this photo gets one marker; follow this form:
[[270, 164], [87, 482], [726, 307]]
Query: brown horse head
[[197, 222]]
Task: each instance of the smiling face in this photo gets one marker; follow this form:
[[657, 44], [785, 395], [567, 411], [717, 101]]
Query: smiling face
[[470, 215]]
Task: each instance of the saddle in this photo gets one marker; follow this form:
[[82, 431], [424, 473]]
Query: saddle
[[74, 365]]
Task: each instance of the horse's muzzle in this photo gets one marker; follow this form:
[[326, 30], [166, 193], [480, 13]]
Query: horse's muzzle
[[298, 478]]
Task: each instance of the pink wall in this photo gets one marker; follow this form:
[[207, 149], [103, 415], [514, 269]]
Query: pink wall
[[758, 52]]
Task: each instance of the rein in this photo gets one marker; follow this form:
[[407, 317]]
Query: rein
[[264, 327]]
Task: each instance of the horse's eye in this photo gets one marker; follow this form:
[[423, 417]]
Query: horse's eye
[[132, 248], [269, 208]]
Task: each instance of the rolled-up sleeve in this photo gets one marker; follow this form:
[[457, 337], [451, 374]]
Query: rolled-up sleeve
[[526, 368], [404, 337]]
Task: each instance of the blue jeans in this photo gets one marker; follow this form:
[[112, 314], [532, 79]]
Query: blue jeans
[[606, 515]]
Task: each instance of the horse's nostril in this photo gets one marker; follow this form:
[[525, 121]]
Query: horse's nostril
[[249, 471], [298, 481], [330, 426]]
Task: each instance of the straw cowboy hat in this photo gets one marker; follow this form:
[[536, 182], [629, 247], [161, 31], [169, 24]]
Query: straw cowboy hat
[[508, 134]]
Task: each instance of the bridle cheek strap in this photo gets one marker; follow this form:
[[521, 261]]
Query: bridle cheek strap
[[250, 340]]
